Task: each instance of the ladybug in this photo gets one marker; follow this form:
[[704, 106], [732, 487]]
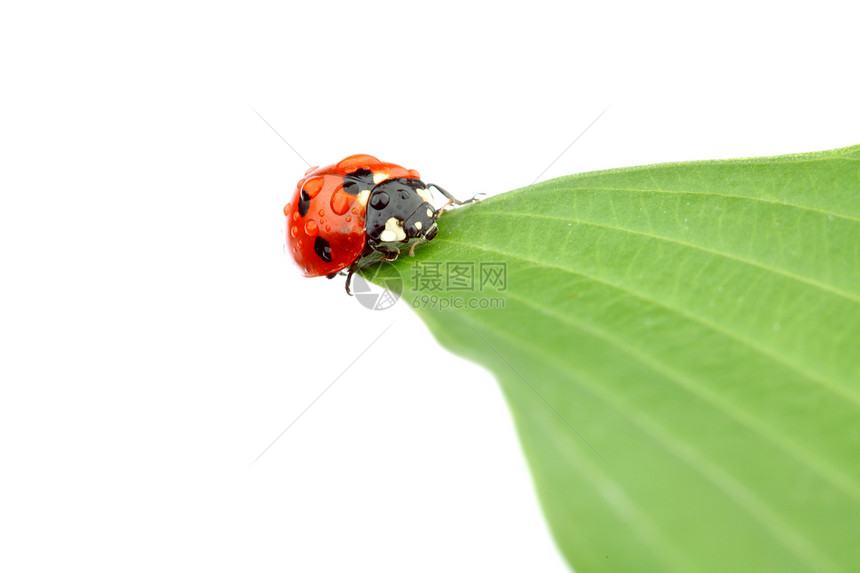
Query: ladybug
[[344, 212]]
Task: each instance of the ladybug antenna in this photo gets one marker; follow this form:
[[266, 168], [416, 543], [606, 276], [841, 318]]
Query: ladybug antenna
[[441, 210], [350, 272], [421, 239]]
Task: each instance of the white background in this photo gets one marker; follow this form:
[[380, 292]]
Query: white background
[[155, 338]]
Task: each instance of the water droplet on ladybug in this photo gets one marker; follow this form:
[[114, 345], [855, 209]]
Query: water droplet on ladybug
[[354, 161], [341, 201], [312, 186]]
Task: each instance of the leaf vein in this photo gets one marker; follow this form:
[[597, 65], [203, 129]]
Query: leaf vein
[[812, 376], [829, 473], [799, 278], [709, 194]]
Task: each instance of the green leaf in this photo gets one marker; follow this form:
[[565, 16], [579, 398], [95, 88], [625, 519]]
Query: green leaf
[[679, 348]]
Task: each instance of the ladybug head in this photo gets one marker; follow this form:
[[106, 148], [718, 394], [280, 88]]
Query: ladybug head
[[399, 210]]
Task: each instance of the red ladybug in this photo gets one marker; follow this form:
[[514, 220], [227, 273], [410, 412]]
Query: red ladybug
[[361, 205]]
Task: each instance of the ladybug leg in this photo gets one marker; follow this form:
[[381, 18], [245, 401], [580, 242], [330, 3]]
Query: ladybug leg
[[349, 273], [390, 253], [454, 200]]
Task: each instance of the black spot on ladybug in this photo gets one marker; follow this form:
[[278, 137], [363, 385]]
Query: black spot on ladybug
[[304, 203], [322, 249], [358, 181], [379, 200]]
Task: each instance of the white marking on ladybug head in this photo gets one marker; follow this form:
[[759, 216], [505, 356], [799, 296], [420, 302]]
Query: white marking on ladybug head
[[429, 213], [418, 225], [379, 177], [363, 197], [393, 231], [425, 194]]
